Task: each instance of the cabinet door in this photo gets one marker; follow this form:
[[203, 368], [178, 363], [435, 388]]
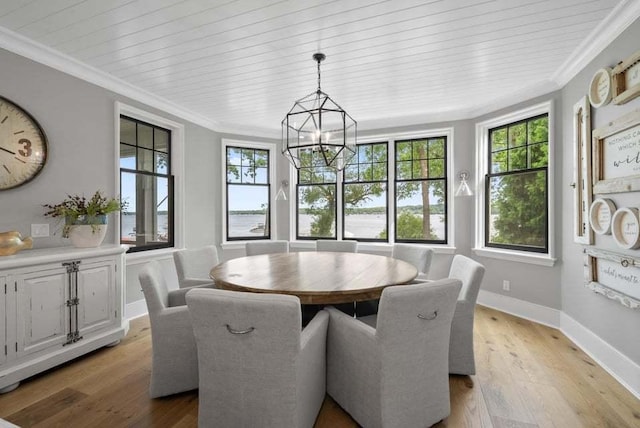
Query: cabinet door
[[42, 310], [96, 296], [3, 320]]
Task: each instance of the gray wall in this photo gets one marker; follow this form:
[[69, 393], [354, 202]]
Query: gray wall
[[532, 283], [608, 319], [78, 118], [535, 284]]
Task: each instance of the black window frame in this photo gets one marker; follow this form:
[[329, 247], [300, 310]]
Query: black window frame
[[490, 174], [355, 161], [315, 157], [267, 223], [444, 179], [138, 172]]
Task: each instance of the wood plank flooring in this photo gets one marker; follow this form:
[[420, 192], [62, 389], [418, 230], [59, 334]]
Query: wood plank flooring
[[528, 376]]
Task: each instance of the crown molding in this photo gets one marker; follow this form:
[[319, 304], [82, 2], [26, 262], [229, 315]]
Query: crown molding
[[42, 54], [621, 17], [525, 94]]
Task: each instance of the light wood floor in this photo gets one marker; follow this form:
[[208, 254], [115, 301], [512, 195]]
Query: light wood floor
[[528, 376]]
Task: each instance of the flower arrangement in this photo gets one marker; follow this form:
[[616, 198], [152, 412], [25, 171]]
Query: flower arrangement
[[78, 210]]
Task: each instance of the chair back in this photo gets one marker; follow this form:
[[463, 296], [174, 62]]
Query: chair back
[[336, 246], [154, 287], [254, 248], [417, 255], [248, 344], [195, 263], [413, 330], [470, 273]]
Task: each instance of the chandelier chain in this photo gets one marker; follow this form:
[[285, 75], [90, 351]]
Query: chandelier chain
[[319, 75]]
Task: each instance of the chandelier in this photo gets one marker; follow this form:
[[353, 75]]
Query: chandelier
[[316, 127]]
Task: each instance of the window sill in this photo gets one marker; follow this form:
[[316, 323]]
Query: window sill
[[516, 256], [238, 245], [147, 256], [374, 246]]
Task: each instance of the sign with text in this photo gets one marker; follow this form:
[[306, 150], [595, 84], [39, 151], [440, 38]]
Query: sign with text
[[622, 154], [616, 155], [614, 275]]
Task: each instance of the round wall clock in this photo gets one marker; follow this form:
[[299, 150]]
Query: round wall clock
[[600, 215], [601, 88], [23, 146], [625, 228]]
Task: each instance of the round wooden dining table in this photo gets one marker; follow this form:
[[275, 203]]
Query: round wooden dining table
[[315, 277]]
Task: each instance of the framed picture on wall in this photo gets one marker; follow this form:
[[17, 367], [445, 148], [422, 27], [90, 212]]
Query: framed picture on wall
[[582, 192], [626, 79], [616, 155], [613, 275]]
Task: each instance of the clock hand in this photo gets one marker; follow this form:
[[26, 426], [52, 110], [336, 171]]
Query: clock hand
[[8, 151]]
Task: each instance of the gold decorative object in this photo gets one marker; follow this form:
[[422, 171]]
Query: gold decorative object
[[12, 242]]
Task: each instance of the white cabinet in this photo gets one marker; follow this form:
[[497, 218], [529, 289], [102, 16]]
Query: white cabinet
[[41, 310], [98, 309], [58, 304]]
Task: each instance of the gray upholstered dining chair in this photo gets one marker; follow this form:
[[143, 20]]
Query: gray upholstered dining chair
[[258, 367], [193, 265], [391, 369], [254, 248], [174, 357], [418, 255], [336, 246], [461, 355]]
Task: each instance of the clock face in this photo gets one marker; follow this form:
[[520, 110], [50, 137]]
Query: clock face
[[23, 146]]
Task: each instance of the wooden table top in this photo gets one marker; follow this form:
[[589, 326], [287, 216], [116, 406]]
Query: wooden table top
[[315, 277]]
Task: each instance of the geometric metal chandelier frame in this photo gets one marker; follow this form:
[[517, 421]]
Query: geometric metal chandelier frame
[[317, 128]]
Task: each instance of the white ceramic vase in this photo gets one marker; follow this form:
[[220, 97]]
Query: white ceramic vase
[[87, 235]]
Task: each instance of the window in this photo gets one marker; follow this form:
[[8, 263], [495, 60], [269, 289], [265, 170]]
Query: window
[[516, 186], [248, 208], [365, 194], [393, 190], [421, 190], [146, 184], [316, 197], [248, 193]]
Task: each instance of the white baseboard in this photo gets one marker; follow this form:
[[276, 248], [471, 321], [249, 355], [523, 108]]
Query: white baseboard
[[621, 367], [520, 308], [135, 309], [618, 365]]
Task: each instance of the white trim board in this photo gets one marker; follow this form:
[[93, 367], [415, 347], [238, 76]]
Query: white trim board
[[135, 309], [521, 308], [625, 371], [618, 365]]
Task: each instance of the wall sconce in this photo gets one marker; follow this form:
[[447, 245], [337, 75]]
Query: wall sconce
[[282, 193], [464, 189]]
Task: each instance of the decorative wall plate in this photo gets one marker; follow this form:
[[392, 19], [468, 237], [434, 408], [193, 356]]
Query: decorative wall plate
[[600, 215], [625, 227], [601, 88]]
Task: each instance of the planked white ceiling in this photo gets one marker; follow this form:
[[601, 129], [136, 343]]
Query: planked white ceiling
[[242, 63]]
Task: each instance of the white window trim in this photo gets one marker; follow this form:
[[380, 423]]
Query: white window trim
[[177, 170], [448, 248], [482, 168], [271, 147]]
